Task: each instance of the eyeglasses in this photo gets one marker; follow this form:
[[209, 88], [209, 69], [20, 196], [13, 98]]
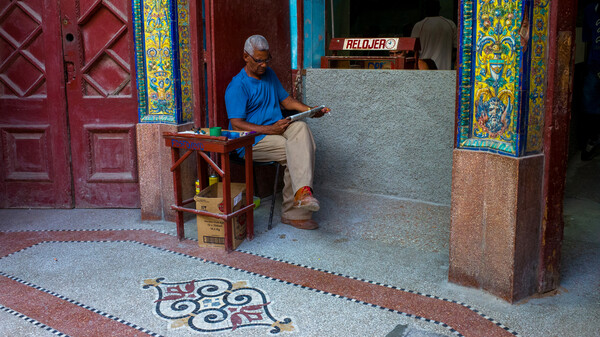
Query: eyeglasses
[[260, 61]]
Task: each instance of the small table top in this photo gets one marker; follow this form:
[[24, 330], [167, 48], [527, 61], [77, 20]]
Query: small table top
[[199, 142]]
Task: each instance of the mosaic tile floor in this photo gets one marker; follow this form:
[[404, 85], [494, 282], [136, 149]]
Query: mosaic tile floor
[[142, 282], [87, 272]]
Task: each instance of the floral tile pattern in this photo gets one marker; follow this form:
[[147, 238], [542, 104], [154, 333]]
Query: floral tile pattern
[[214, 304]]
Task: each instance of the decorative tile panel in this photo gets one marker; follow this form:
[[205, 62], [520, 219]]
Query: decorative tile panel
[[502, 76], [185, 60], [538, 81], [140, 65], [161, 60], [465, 70]]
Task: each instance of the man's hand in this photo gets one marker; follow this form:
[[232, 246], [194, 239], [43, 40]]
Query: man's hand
[[321, 112], [292, 104], [279, 127]]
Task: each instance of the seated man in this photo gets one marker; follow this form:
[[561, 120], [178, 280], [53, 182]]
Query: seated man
[[253, 99]]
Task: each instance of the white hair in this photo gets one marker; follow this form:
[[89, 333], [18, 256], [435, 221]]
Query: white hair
[[256, 42]]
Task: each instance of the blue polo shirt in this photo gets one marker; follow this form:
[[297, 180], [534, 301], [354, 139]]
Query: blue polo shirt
[[255, 101]]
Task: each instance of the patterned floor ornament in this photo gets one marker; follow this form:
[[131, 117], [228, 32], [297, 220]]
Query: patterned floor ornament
[[213, 304]]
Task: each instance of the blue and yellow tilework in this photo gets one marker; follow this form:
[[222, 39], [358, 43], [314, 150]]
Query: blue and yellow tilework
[[502, 80], [163, 61], [538, 81]]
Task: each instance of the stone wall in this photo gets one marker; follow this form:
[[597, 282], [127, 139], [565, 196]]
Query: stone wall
[[390, 132]]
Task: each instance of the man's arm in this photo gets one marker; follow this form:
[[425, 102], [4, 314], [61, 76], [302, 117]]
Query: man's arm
[[278, 128], [291, 103]]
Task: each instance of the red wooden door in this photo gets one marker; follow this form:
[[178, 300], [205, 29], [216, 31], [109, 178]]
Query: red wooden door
[[229, 24], [102, 101], [68, 104], [34, 146]]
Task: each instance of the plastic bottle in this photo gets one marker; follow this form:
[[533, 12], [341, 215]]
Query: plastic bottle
[[213, 179]]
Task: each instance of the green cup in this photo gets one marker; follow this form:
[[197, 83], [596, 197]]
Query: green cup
[[215, 131]]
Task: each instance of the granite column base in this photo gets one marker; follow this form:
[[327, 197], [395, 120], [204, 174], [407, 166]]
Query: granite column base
[[156, 178], [496, 219]]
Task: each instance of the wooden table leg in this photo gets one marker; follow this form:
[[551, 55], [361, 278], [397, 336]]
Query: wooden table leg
[[202, 170], [227, 207], [177, 191], [249, 192]]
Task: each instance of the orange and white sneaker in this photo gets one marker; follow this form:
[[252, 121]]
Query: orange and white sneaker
[[300, 224], [304, 199]]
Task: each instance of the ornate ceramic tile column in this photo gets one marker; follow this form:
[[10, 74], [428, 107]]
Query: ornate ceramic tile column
[[164, 82], [498, 167]]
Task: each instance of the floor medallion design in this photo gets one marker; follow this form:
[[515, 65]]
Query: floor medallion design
[[213, 304]]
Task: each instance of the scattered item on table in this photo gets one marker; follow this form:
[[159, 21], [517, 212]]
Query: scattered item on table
[[215, 131]]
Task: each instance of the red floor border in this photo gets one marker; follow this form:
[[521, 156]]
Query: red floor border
[[462, 319]]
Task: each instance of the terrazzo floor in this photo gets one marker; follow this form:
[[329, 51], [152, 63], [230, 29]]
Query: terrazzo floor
[[84, 272]]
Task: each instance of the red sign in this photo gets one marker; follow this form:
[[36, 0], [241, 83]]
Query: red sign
[[371, 44]]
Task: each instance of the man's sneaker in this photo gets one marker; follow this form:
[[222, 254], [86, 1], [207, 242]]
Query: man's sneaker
[[304, 199], [301, 224]]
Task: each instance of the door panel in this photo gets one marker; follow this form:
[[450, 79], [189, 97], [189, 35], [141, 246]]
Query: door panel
[[110, 149], [27, 153], [98, 51], [34, 166]]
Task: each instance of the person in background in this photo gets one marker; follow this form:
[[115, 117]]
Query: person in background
[[253, 99], [591, 81], [437, 36]]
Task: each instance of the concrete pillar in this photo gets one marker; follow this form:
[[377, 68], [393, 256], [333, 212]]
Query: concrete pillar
[[499, 160]]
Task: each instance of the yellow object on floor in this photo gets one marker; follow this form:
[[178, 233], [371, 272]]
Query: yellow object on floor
[[256, 202]]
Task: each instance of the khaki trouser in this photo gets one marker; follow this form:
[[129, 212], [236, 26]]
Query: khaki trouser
[[295, 149]]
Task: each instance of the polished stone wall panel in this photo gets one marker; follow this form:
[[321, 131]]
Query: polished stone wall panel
[[467, 176], [496, 216], [156, 179]]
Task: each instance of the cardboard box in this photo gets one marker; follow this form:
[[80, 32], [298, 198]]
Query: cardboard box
[[211, 231]]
